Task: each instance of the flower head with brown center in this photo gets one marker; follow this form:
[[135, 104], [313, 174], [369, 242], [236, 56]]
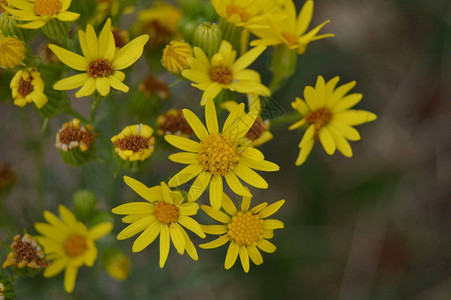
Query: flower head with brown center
[[38, 12], [224, 71], [134, 142], [174, 123], [73, 135], [69, 243], [219, 155], [101, 63], [27, 86], [163, 215], [26, 252], [327, 113], [153, 87], [246, 229]]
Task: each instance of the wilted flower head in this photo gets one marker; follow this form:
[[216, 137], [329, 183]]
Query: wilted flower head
[[174, 122], [27, 86], [135, 142], [152, 86], [26, 252], [74, 135]]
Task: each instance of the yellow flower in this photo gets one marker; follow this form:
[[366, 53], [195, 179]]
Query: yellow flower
[[222, 71], [12, 52], [101, 63], [39, 12], [161, 216], [291, 31], [135, 142], [218, 155], [27, 86], [247, 230], [73, 135], [259, 132], [327, 112], [245, 13], [2, 9], [117, 264], [26, 252], [69, 244], [175, 56], [160, 22]]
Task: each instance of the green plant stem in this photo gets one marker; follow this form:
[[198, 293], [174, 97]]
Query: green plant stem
[[70, 111], [94, 106]]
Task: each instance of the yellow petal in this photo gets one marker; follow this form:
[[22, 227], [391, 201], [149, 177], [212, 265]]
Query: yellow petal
[[270, 210], [216, 214], [182, 143], [107, 46], [189, 246], [211, 117], [136, 227], [92, 42], [232, 254], [177, 238], [304, 18], [255, 255], [244, 257], [304, 152], [164, 245], [100, 230], [133, 208], [192, 225], [216, 243], [250, 176], [197, 126], [185, 158], [71, 82], [103, 86], [228, 205], [185, 175], [327, 141], [150, 194], [235, 185], [214, 229], [147, 237], [266, 246], [199, 185], [70, 276], [347, 102], [355, 117], [88, 88], [272, 224], [130, 53], [70, 59], [55, 267], [247, 59], [216, 193], [261, 165]]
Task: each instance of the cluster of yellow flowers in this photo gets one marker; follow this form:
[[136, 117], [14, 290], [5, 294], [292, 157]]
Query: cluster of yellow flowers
[[215, 56]]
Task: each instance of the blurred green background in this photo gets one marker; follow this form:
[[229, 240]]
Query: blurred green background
[[377, 226]]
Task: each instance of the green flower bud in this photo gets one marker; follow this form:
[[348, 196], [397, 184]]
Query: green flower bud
[[84, 202], [283, 66], [187, 26], [190, 7], [8, 26], [209, 12], [208, 37], [56, 30]]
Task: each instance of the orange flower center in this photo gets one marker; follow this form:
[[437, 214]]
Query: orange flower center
[[69, 134], [219, 154], [291, 38], [47, 7], [320, 118], [173, 122], [245, 228], [135, 143], [25, 87], [166, 213], [100, 68], [221, 74], [75, 245], [236, 10]]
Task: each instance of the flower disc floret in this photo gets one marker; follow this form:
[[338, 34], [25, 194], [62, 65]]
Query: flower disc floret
[[219, 154], [245, 228], [47, 7]]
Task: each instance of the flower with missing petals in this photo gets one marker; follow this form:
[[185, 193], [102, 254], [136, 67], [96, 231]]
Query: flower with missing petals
[[39, 12], [135, 142], [73, 135], [163, 215], [69, 244], [27, 86], [174, 123], [224, 71], [219, 155], [292, 30], [326, 111], [247, 230], [101, 63]]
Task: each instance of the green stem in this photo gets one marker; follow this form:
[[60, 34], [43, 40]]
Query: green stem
[[70, 111], [175, 83], [94, 106]]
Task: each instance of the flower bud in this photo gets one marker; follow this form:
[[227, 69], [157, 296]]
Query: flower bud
[[116, 263], [208, 37], [190, 7], [84, 202], [12, 52], [56, 30], [175, 56]]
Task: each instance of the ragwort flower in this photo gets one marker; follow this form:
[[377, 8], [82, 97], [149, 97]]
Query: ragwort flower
[[327, 112], [135, 142], [12, 52], [101, 63], [27, 86], [291, 31], [224, 71], [161, 216], [218, 155], [246, 229], [39, 12], [69, 244]]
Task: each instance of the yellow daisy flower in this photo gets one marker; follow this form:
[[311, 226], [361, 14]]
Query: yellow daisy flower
[[69, 244], [175, 56], [291, 31], [135, 142], [12, 52], [101, 63], [247, 230], [245, 13], [259, 132], [162, 216], [224, 71], [327, 112], [27, 86], [218, 155], [39, 12]]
